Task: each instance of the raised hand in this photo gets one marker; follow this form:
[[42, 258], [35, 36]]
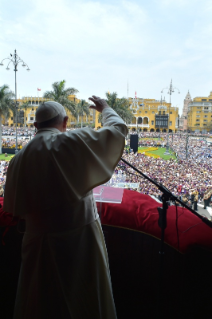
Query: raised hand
[[100, 104]]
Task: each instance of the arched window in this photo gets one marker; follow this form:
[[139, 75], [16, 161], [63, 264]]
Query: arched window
[[140, 120], [145, 120]]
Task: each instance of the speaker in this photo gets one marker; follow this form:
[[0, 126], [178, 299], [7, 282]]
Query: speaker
[[134, 142]]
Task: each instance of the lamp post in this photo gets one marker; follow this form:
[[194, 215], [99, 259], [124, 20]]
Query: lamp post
[[15, 59], [171, 90], [187, 146]]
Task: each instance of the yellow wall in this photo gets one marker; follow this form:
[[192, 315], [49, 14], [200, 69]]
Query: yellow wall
[[200, 113], [29, 113], [146, 113]]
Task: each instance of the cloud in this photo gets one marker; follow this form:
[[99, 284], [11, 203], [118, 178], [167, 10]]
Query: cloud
[[79, 27], [100, 44]]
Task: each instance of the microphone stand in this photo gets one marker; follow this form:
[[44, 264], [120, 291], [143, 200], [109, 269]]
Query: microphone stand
[[162, 222], [167, 196]]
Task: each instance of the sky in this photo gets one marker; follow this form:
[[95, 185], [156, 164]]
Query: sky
[[116, 46]]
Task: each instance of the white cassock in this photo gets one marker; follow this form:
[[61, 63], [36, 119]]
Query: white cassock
[[65, 272]]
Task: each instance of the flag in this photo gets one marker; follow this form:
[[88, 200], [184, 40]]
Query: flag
[[38, 89]]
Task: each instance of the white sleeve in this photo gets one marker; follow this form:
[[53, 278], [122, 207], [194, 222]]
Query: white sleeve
[[94, 154]]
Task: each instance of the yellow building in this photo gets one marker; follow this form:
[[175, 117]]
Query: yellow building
[[150, 115], [33, 103], [200, 114]]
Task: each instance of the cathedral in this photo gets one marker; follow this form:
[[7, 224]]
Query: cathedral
[[183, 125]]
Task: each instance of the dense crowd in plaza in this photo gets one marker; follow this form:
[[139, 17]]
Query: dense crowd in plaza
[[181, 176]]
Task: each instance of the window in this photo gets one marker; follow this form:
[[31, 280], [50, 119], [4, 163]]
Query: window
[[199, 107], [153, 112], [139, 111], [170, 112], [152, 122], [26, 118], [206, 108], [164, 112], [197, 120], [198, 111], [204, 99], [205, 120], [32, 109], [205, 116], [170, 123], [31, 118], [197, 115], [204, 124], [145, 111], [12, 118], [159, 112]]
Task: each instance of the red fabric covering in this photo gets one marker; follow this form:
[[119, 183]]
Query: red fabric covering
[[6, 219], [139, 212]]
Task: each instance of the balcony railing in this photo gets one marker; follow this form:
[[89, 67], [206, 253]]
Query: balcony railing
[[139, 125]]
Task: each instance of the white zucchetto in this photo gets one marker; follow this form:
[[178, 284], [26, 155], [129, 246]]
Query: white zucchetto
[[48, 110]]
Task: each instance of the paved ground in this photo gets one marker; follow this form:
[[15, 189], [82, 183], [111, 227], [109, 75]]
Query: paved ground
[[204, 212], [201, 211]]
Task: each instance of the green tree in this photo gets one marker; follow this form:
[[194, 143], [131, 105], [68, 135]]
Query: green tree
[[82, 108], [24, 106], [60, 94], [6, 102], [209, 126], [121, 106]]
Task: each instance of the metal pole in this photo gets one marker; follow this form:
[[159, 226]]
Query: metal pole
[[16, 107], [15, 59], [187, 146]]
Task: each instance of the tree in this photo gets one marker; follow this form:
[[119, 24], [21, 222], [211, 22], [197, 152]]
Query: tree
[[60, 94], [24, 106], [6, 102], [121, 106], [81, 108], [209, 126]]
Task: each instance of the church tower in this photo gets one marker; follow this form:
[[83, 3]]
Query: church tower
[[187, 100], [183, 118]]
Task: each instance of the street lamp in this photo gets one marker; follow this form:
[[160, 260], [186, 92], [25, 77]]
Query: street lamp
[[171, 90], [15, 59]]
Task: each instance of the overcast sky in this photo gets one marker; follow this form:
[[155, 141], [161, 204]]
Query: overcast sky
[[100, 46]]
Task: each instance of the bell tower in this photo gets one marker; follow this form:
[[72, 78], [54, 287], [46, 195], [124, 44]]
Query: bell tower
[[187, 100]]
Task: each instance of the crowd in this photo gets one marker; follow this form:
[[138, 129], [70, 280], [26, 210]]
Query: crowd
[[3, 173], [184, 177]]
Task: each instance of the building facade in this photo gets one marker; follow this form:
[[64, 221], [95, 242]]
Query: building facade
[[150, 115], [28, 106], [200, 114]]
